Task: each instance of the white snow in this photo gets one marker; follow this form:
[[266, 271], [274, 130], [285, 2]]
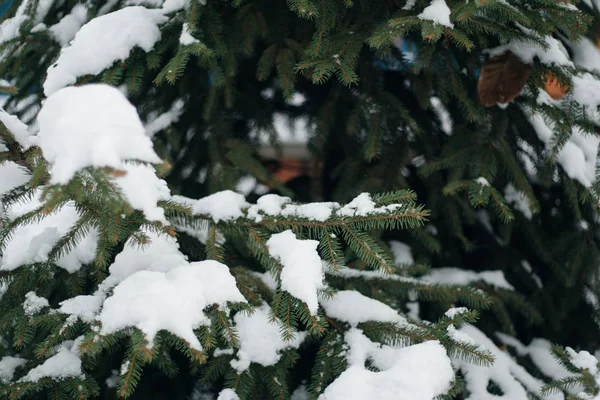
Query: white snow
[[84, 307], [418, 372], [228, 394], [554, 52], [353, 307], [514, 381], [585, 54], [34, 303], [443, 115], [438, 12], [273, 205], [226, 205], [288, 130], [409, 4], [453, 312], [578, 156], [11, 176], [65, 30], [92, 125], [32, 242], [8, 366], [362, 205], [96, 126], [9, 29], [17, 128], [402, 253], [540, 352], [268, 279], [583, 360], [143, 189], [301, 393], [160, 255], [311, 211], [585, 92], [172, 301], [119, 32], [260, 339], [456, 276], [186, 37], [302, 274], [519, 200], [482, 181], [166, 119], [64, 364], [269, 204]]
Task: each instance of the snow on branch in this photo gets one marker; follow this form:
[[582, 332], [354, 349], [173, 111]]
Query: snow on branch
[[173, 301], [119, 32]]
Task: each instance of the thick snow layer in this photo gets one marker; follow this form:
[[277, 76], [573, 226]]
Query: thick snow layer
[[353, 307], [172, 301], [586, 55], [83, 307], [401, 252], [456, 276], [143, 190], [519, 200], [65, 30], [260, 339], [32, 242], [438, 12], [226, 205], [302, 274], [64, 364], [92, 125], [585, 91], [583, 360], [119, 32], [514, 381], [8, 366], [418, 372], [17, 128], [160, 255], [34, 303]]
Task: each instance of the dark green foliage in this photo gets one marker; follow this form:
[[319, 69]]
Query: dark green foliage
[[372, 108]]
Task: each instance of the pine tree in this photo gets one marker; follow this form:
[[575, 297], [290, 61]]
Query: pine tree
[[454, 216]]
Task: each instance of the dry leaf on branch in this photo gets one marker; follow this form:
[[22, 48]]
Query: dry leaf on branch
[[502, 78]]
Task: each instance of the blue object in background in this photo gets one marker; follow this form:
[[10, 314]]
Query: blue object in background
[[4, 7]]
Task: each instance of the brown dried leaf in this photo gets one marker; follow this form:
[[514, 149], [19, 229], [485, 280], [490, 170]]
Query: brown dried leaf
[[502, 78]]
